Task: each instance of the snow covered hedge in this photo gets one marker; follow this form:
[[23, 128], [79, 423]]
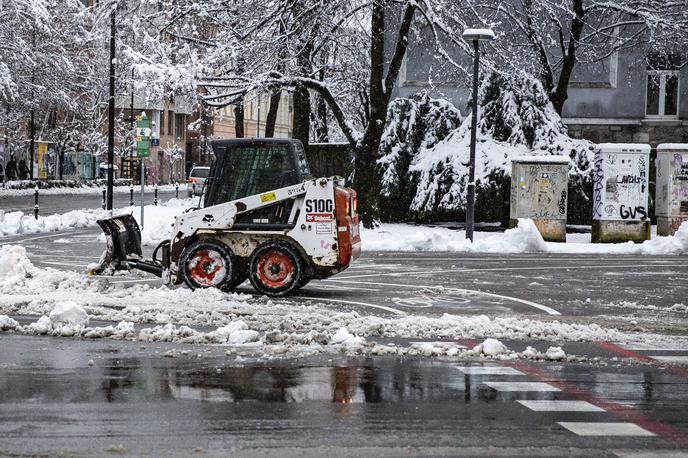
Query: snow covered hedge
[[414, 125], [423, 164]]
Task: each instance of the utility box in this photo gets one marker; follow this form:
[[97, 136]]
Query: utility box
[[539, 190], [671, 199], [620, 193]]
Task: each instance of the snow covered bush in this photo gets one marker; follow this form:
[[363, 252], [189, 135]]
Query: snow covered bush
[[516, 119], [413, 124]]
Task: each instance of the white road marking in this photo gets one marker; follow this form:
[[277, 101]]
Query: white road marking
[[502, 269], [539, 387], [671, 359], [544, 308], [561, 406], [63, 263], [58, 256], [605, 429], [324, 287], [143, 280], [365, 304], [58, 234], [643, 348], [489, 370], [661, 453], [439, 344]]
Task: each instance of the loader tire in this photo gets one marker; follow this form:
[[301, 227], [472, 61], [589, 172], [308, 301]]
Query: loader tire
[[210, 264], [276, 268]]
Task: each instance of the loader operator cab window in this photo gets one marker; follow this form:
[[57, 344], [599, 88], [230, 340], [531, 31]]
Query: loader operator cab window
[[251, 169]]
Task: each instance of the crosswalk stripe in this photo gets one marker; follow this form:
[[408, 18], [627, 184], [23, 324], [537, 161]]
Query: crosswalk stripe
[[561, 406], [489, 370], [521, 386], [604, 428], [671, 358]]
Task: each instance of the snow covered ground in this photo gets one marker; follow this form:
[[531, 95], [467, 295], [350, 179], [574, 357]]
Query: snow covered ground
[[68, 303], [388, 237], [523, 239], [85, 190]]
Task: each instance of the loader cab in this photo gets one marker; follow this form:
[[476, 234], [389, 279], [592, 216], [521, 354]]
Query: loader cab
[[245, 167]]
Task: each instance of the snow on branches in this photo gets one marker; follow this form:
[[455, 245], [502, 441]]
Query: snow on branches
[[516, 119]]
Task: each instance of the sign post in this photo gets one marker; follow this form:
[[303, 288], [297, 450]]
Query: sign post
[[143, 143]]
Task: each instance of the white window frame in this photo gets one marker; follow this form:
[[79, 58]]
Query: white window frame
[[662, 93]]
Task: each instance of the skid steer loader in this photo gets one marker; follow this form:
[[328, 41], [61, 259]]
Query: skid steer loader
[[263, 218]]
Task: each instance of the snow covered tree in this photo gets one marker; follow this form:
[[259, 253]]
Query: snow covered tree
[[413, 125], [516, 119]]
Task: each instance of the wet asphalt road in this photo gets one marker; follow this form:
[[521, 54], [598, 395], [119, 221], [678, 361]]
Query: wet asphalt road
[[626, 291], [133, 401], [136, 400]]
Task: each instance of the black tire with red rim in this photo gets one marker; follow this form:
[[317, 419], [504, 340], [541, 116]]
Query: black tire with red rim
[[209, 263], [276, 268]]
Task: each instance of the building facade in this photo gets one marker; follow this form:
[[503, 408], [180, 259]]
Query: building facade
[[630, 96]]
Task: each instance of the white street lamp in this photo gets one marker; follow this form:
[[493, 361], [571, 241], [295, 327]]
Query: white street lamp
[[476, 36]]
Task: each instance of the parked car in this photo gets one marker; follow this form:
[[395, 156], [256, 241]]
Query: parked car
[[197, 177]]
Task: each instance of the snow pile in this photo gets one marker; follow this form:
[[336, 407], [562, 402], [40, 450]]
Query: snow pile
[[157, 220], [7, 323], [555, 354], [27, 188], [234, 333], [66, 319], [344, 337], [525, 238], [676, 244], [491, 347], [403, 237], [14, 264]]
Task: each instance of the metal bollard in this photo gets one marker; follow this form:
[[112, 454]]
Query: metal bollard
[[131, 195], [104, 198], [35, 202], [176, 190], [155, 194]]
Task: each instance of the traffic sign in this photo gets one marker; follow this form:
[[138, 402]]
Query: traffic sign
[[143, 136]]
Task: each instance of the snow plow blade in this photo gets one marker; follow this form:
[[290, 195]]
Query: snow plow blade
[[123, 238]]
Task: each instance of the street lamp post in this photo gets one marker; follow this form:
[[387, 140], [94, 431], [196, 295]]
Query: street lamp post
[[111, 115], [476, 36]]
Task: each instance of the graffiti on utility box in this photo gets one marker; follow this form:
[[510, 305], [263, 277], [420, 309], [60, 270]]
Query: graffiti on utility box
[[620, 188], [539, 191]]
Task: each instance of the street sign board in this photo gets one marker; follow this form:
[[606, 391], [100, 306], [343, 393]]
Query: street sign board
[[143, 136]]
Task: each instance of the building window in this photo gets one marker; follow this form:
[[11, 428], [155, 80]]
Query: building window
[[179, 126], [170, 122], [662, 93], [162, 122]]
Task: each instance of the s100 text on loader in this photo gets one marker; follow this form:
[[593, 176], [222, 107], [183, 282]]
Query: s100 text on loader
[[263, 218]]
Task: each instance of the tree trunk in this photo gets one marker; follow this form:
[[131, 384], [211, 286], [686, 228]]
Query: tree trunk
[[322, 134], [271, 119], [381, 87], [560, 94], [239, 118], [302, 115]]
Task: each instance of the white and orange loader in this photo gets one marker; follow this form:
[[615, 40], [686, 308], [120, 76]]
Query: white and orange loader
[[263, 218]]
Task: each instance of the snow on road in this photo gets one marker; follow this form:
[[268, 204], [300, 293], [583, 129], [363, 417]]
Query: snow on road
[[64, 303], [387, 237], [79, 190]]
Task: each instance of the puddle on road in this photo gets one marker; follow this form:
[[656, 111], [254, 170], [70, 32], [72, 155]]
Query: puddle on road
[[379, 380]]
